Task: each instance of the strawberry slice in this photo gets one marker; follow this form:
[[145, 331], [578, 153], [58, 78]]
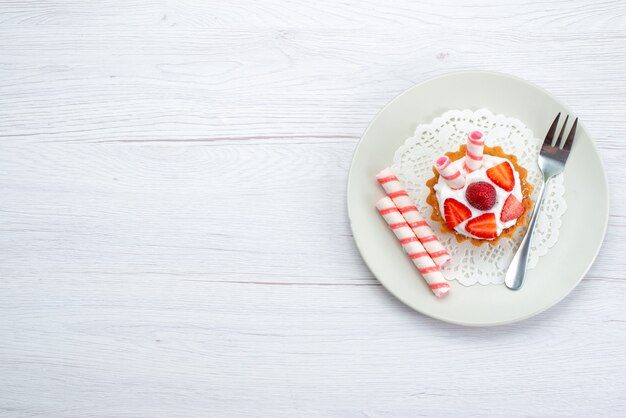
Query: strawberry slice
[[483, 226], [455, 212], [502, 176], [512, 209]]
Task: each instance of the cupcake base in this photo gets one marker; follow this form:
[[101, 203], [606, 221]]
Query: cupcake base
[[527, 190]]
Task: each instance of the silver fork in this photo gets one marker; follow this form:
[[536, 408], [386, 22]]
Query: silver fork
[[552, 159]]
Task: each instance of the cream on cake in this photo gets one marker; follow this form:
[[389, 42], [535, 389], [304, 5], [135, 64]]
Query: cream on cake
[[479, 196]]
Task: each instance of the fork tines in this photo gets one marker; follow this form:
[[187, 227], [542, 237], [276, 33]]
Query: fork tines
[[565, 144]]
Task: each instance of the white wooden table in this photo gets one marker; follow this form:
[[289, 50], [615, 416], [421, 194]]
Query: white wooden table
[[174, 238]]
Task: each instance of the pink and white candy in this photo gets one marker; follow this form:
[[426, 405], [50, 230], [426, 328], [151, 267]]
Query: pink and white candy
[[426, 266], [474, 151], [418, 224], [452, 175]]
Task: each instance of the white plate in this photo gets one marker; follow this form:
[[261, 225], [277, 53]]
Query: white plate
[[557, 273]]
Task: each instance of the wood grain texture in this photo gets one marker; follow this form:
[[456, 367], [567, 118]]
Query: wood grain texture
[[145, 150]]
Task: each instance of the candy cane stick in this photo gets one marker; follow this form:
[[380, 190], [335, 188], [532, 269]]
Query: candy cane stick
[[474, 152], [420, 227], [449, 172], [426, 266]]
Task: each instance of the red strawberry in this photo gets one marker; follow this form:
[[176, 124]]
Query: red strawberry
[[512, 209], [455, 212], [483, 226], [481, 195], [502, 175]]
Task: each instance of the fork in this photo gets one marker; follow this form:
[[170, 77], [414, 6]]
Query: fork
[[551, 160]]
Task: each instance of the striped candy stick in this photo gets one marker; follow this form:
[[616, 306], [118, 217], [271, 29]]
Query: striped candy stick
[[449, 172], [474, 151], [420, 227], [426, 266]]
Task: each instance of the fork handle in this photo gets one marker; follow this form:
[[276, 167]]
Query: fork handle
[[516, 273]]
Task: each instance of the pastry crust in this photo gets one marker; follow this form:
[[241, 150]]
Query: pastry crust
[[527, 190]]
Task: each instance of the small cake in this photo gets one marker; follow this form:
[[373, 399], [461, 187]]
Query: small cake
[[479, 193]]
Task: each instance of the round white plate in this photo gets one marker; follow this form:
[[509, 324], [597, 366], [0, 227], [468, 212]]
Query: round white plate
[[557, 273]]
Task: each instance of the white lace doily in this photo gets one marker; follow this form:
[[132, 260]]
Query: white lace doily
[[413, 163]]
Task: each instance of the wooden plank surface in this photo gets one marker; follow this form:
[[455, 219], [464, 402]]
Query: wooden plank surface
[[173, 232]]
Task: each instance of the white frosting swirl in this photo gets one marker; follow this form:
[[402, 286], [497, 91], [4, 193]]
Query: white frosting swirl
[[443, 192]]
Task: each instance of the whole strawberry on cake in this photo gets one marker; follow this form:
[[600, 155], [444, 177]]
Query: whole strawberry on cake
[[479, 193]]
